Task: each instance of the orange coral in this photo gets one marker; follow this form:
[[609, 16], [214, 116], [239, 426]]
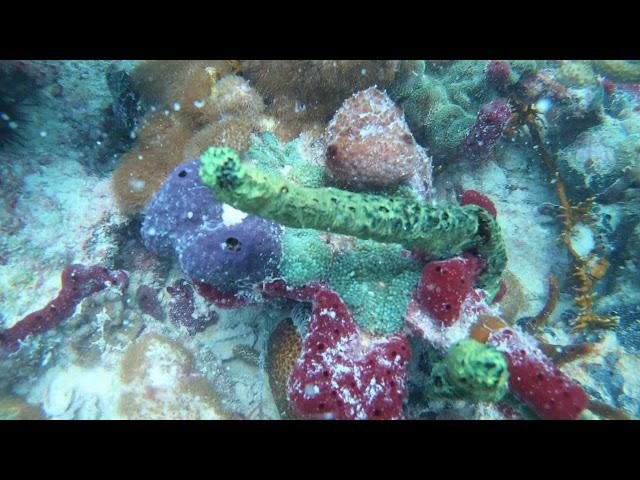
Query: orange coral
[[156, 152], [285, 345], [182, 83], [234, 132], [195, 106]]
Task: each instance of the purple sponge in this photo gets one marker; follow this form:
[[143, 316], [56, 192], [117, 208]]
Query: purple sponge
[[214, 243]]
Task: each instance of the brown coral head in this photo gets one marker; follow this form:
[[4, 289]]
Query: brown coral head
[[283, 351]]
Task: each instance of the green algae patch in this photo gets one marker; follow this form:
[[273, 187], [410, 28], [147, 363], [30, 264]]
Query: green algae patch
[[269, 155]]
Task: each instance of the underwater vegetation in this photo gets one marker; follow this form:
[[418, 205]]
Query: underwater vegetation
[[324, 240]]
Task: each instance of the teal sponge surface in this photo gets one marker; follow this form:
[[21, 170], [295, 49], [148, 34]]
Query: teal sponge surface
[[305, 256], [376, 281]]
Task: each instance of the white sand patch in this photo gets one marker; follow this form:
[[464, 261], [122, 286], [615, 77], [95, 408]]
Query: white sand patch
[[582, 239], [518, 185], [66, 216], [232, 216], [71, 392]]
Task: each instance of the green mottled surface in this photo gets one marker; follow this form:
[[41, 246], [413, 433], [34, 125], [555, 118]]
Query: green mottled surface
[[269, 155], [305, 256], [376, 281], [436, 231], [471, 370], [441, 99]]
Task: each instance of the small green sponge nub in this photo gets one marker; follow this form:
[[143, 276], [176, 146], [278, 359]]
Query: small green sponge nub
[[471, 370]]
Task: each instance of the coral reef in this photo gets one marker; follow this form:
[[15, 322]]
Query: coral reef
[[369, 144], [214, 243], [342, 373], [165, 84], [619, 70], [435, 120], [441, 100], [78, 282], [267, 154], [375, 281], [306, 256], [157, 150], [435, 231], [577, 73], [389, 296]]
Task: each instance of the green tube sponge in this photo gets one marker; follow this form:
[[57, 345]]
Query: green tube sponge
[[376, 281], [436, 231], [305, 256], [471, 370]]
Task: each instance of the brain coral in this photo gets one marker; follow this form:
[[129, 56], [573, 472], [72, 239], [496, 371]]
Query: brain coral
[[214, 243], [370, 144]]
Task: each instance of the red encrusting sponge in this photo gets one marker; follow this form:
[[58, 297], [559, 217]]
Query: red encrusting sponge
[[343, 373], [446, 284], [536, 380], [472, 197], [78, 282]]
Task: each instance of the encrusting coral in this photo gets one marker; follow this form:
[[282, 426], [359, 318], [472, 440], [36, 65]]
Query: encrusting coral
[[283, 350], [619, 70], [159, 382]]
